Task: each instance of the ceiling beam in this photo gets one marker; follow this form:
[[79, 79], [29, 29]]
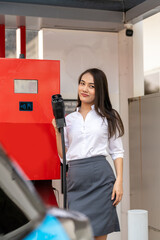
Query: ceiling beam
[[64, 17], [22, 9]]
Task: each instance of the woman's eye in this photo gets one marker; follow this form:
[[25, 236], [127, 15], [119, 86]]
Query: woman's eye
[[81, 83], [91, 86]]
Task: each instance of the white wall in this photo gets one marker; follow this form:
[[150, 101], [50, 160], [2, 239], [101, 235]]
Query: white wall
[[126, 91], [79, 50], [131, 84], [151, 46], [151, 43], [138, 62]]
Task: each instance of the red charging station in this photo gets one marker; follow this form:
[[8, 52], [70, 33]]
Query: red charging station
[[26, 132]]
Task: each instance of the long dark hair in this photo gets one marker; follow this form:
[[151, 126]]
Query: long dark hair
[[102, 102]]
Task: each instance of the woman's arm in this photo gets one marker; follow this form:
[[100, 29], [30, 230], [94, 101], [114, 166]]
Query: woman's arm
[[117, 192], [58, 139]]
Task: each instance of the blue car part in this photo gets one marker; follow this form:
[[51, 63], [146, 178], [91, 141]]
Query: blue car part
[[49, 229]]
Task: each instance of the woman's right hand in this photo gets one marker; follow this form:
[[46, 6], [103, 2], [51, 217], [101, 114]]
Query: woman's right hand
[[55, 126], [54, 123], [58, 138]]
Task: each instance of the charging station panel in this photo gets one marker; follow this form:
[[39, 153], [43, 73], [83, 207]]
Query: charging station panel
[[26, 132]]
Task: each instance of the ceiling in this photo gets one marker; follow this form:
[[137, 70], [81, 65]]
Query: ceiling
[[93, 15], [111, 5]]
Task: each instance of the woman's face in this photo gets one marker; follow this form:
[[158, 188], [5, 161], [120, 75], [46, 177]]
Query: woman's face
[[86, 89]]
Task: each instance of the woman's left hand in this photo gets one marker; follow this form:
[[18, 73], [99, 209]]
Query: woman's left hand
[[117, 192]]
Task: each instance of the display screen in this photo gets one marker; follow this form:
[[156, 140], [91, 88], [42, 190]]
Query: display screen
[[70, 105], [25, 106], [25, 86]]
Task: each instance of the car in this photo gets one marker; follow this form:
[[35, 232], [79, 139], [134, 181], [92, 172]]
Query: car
[[23, 215]]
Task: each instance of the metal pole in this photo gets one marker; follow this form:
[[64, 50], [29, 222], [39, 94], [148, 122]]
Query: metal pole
[[63, 172]]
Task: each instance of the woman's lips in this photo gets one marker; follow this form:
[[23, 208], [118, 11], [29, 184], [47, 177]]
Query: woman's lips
[[84, 95]]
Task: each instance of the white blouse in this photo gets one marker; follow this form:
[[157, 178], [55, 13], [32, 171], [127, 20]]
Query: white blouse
[[89, 137]]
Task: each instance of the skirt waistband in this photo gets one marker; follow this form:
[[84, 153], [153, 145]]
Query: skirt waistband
[[86, 160]]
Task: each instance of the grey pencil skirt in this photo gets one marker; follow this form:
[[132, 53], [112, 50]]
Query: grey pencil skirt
[[89, 188]]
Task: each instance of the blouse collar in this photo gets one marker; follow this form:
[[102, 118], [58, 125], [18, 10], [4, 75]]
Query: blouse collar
[[92, 107]]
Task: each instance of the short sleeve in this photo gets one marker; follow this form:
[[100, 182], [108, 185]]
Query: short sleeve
[[116, 147]]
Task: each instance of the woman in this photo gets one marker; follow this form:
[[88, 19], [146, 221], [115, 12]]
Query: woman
[[92, 133]]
